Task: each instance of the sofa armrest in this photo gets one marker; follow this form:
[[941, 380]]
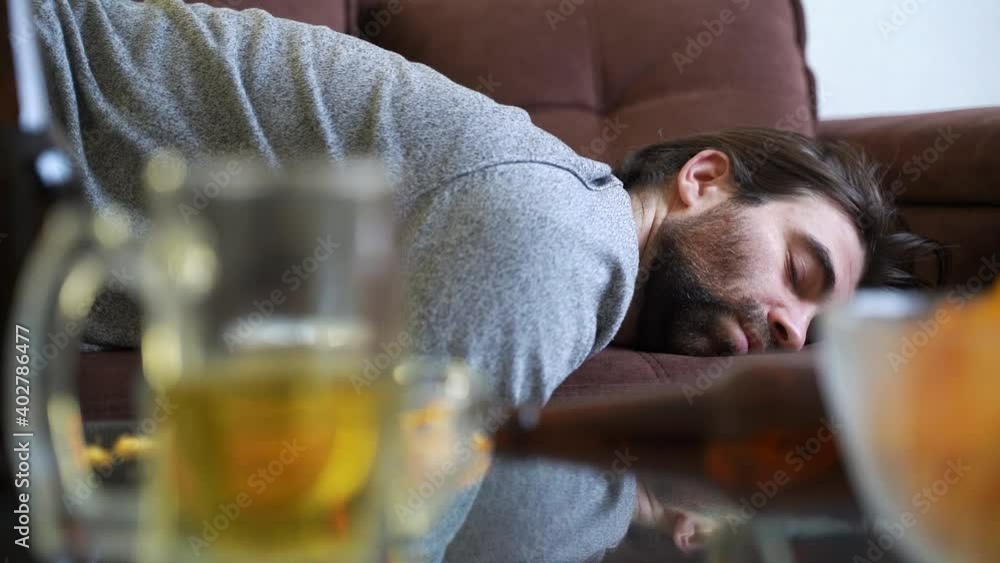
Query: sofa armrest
[[943, 158]]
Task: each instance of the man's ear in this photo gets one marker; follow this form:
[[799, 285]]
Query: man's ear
[[692, 532], [702, 182]]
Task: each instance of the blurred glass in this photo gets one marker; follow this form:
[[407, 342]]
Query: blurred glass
[[264, 297], [274, 427], [269, 432], [914, 383], [446, 446]]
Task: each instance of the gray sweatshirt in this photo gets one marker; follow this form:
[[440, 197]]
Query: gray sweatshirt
[[521, 256]]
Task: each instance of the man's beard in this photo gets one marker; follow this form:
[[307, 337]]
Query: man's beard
[[683, 313]]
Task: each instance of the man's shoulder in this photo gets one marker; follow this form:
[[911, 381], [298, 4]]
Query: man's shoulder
[[543, 259], [560, 191], [542, 174], [499, 138], [547, 214]]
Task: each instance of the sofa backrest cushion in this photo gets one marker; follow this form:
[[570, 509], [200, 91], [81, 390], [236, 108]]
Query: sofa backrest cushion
[[608, 76], [335, 14]]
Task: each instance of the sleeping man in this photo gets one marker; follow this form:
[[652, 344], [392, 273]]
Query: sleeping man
[[522, 257]]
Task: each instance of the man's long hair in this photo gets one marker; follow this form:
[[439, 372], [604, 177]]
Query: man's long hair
[[768, 164]]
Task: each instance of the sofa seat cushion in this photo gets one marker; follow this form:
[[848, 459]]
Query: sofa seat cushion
[[109, 381]]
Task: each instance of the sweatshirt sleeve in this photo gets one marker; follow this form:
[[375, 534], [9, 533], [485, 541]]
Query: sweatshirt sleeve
[[510, 268]]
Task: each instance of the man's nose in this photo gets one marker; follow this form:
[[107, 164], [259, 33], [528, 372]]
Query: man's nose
[[789, 328]]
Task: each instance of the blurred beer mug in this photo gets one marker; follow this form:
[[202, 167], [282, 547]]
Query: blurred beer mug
[[274, 453], [260, 303]]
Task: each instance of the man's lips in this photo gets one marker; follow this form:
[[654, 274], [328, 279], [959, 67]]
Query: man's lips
[[743, 340], [754, 343], [737, 340]]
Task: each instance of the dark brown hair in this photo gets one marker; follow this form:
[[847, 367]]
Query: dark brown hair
[[768, 164]]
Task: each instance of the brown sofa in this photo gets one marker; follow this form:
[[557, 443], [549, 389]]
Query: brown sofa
[[608, 77]]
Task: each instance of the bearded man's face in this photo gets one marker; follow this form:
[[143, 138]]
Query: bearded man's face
[[738, 278]]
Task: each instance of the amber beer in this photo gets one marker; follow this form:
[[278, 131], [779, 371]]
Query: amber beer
[[272, 457]]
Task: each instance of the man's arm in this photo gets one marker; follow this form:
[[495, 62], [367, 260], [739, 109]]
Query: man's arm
[[520, 269]]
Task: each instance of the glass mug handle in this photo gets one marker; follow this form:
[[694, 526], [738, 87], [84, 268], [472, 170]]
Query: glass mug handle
[[64, 273]]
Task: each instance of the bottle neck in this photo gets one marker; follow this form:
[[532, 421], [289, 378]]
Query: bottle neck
[[24, 103], [753, 428], [34, 170]]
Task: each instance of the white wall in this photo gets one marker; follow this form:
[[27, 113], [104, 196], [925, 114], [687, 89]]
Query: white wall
[[881, 57]]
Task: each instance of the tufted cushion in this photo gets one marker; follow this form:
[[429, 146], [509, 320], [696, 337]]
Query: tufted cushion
[[608, 76], [335, 14]]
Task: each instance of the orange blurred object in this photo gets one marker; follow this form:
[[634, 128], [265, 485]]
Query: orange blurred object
[[938, 426]]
